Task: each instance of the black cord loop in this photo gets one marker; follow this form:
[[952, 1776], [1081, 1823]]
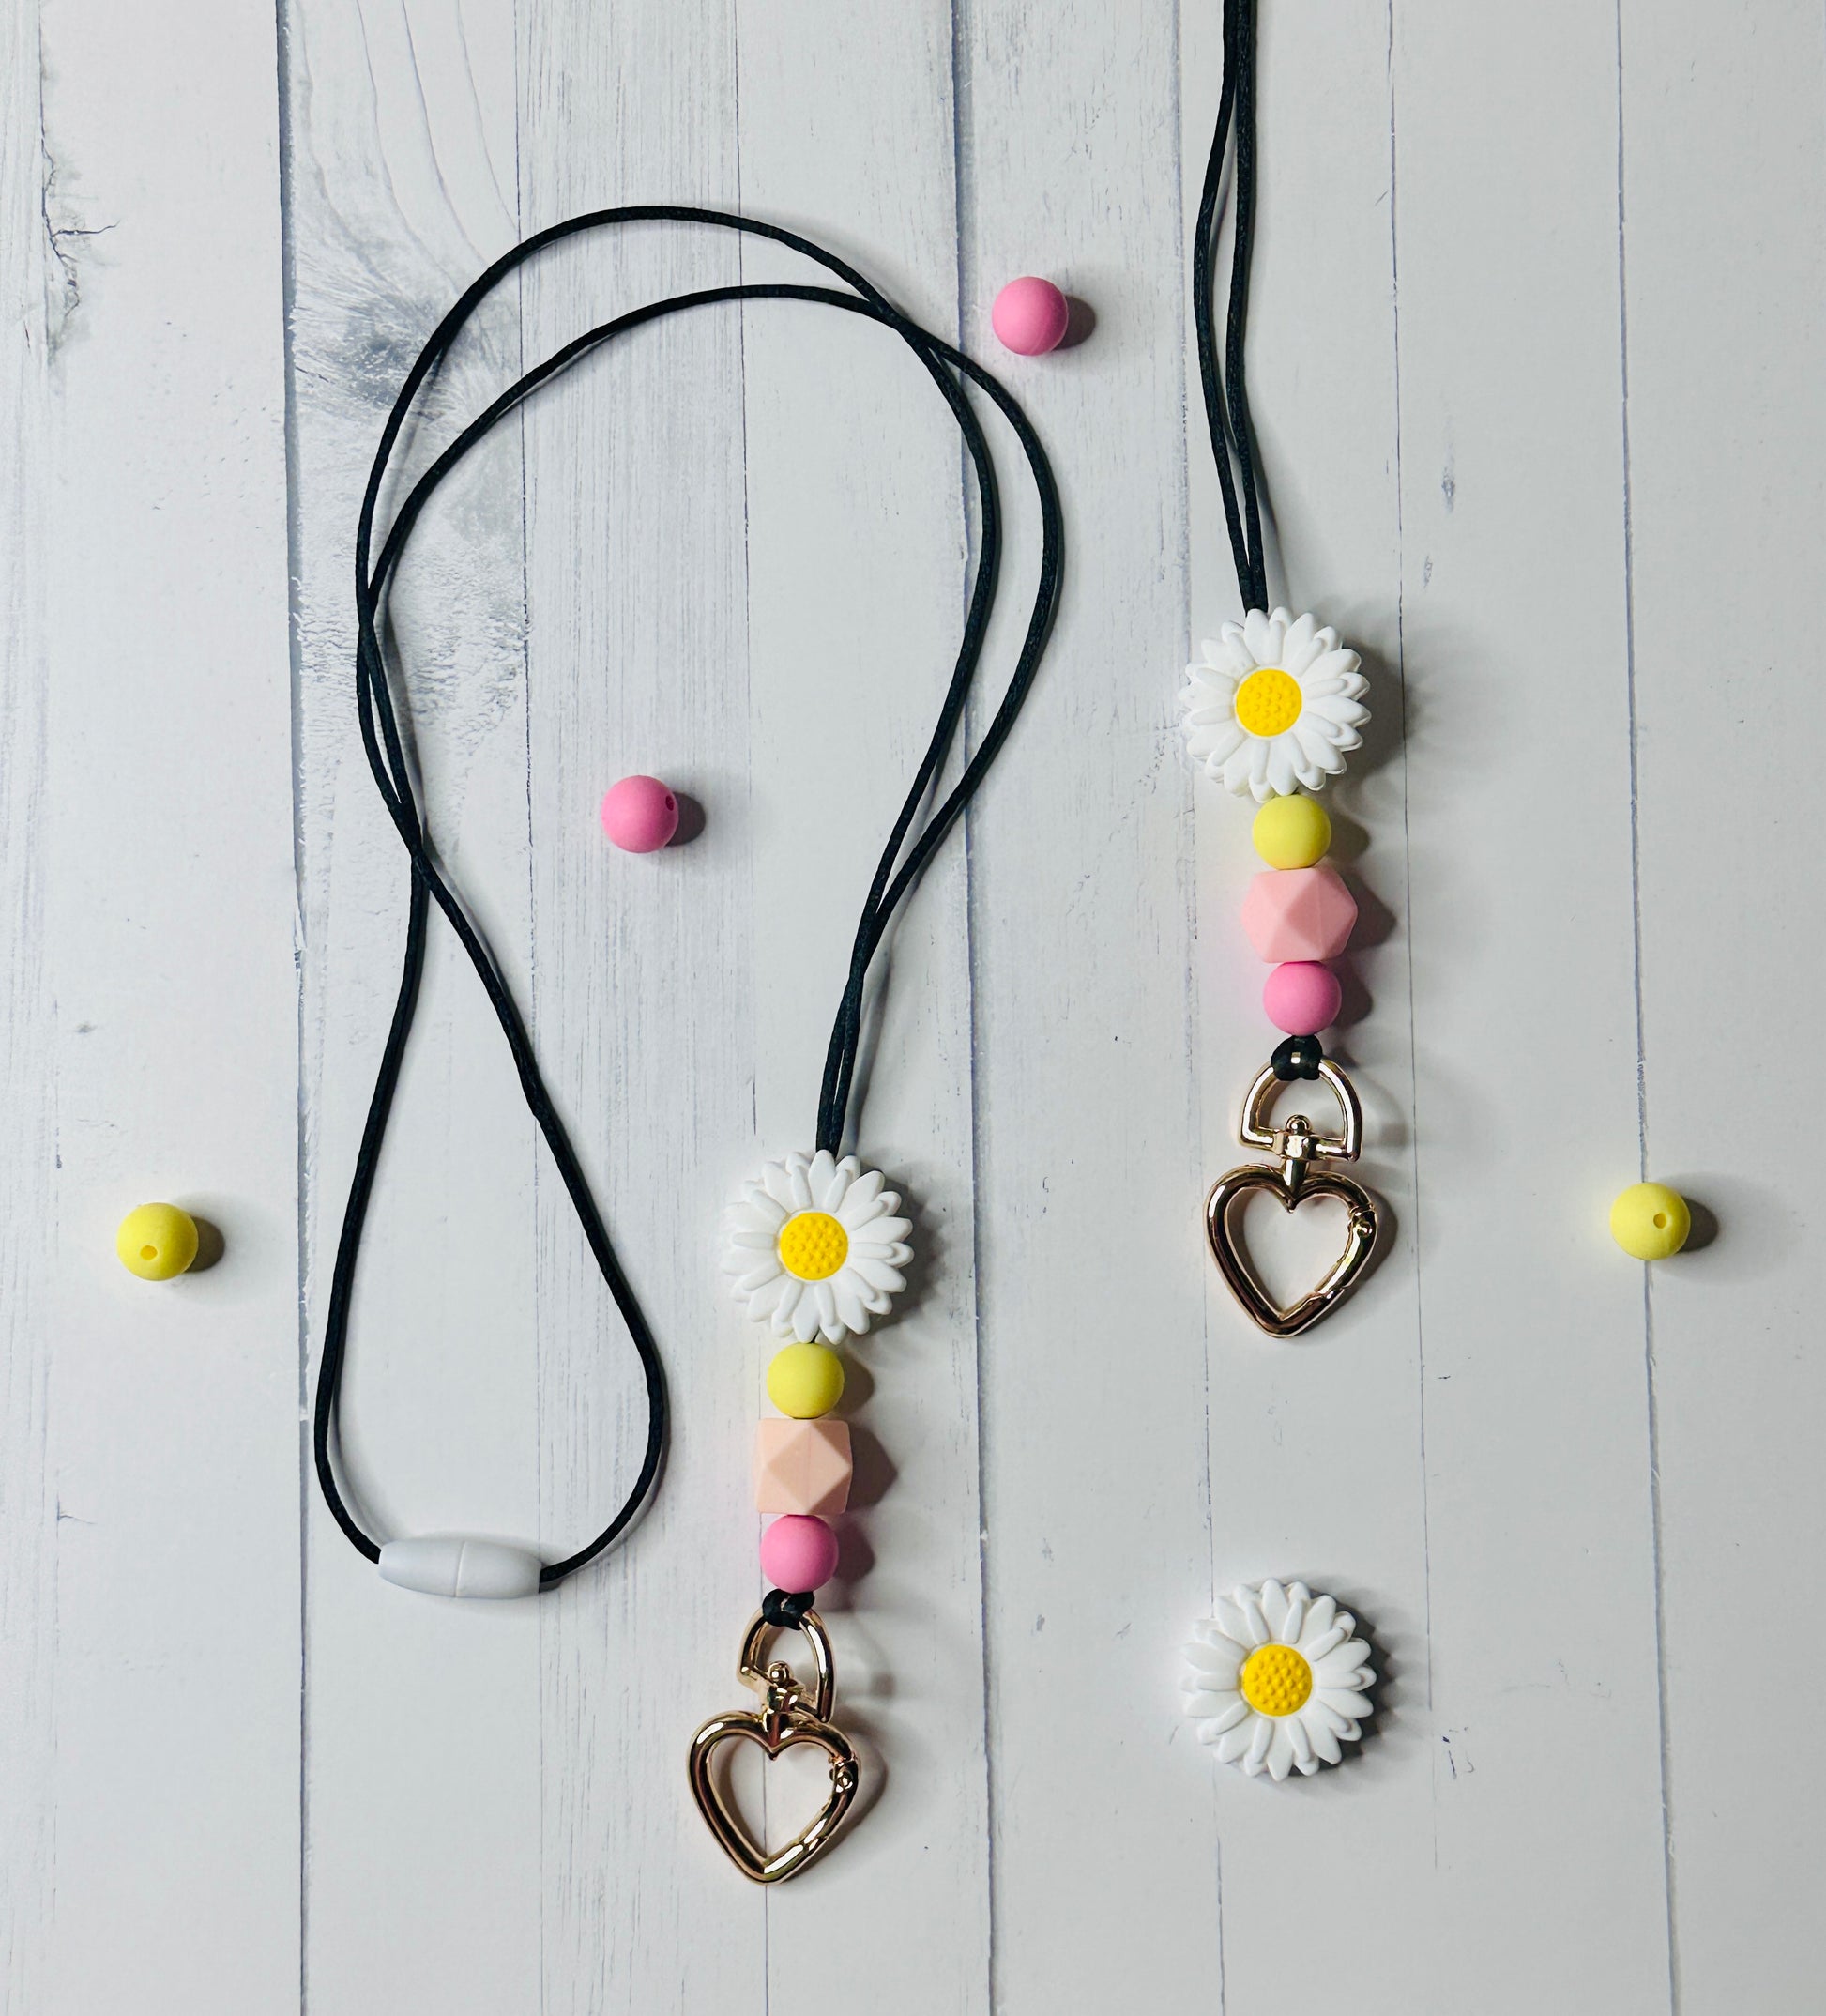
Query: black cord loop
[[900, 865], [786, 1612], [1225, 390]]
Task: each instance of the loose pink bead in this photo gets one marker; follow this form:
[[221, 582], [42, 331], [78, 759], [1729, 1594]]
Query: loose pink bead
[[1030, 316], [640, 815], [1303, 997], [798, 1552]]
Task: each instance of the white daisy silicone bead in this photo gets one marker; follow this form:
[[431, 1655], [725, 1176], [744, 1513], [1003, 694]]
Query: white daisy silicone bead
[[816, 1248], [1275, 701], [1278, 1680]]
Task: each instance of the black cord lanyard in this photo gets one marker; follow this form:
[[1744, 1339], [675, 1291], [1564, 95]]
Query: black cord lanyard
[[1226, 411], [901, 861]]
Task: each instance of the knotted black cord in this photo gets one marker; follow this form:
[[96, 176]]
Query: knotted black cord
[[1227, 408], [393, 779]]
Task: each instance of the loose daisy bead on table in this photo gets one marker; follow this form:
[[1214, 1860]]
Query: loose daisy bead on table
[[816, 1248], [1274, 702], [1277, 1680]]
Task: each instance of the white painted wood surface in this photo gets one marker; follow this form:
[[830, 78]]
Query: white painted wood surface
[[1536, 366]]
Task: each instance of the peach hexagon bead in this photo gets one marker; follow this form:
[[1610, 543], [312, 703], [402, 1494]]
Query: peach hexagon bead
[[1299, 913], [802, 1466]]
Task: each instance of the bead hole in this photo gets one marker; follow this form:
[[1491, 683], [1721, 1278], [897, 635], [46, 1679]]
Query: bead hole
[[1660, 1221], [148, 1252]]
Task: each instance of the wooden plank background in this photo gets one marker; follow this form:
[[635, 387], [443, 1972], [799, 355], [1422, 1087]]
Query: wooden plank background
[[1536, 365]]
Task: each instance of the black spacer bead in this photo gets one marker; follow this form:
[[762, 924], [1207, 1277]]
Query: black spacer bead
[[1298, 1057], [785, 1610]]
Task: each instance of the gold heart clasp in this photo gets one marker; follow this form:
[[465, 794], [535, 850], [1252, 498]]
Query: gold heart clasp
[[783, 1719], [1297, 1147]]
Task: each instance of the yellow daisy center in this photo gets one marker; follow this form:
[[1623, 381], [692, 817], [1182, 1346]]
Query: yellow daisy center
[[1268, 701], [1276, 1680], [812, 1246]]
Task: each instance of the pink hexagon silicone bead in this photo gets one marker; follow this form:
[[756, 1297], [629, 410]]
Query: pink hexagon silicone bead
[[802, 1466], [1299, 913]]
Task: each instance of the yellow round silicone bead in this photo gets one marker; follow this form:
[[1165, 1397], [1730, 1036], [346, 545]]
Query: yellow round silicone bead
[[805, 1380], [1649, 1221], [1292, 833], [157, 1242]]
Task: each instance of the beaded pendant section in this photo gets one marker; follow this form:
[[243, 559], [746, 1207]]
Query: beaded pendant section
[[1273, 706], [816, 1248]]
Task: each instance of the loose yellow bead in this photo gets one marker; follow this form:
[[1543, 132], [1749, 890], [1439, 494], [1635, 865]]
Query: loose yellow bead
[[1292, 833], [157, 1242], [805, 1380], [1649, 1221]]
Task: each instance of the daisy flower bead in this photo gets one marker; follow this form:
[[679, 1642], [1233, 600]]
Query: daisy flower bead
[[816, 1248], [1274, 702], [1277, 1680]]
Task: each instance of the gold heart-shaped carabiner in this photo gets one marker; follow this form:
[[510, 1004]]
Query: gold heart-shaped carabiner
[[783, 1720], [1239, 1277], [1291, 1182]]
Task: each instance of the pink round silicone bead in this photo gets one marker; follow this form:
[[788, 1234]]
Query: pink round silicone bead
[[640, 815], [1303, 997], [797, 1552], [1030, 315]]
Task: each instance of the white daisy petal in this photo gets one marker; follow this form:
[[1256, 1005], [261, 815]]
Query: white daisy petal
[[798, 1183], [1231, 1711], [764, 1207], [1233, 1741], [763, 1300], [1220, 1641], [1301, 644], [1272, 1601], [1352, 1708], [1301, 1742], [1318, 1621], [1280, 1753], [1346, 1658], [878, 1273], [805, 1318], [1282, 771], [1205, 1707], [1296, 1617], [1262, 635], [1324, 1740], [1232, 1623], [1313, 1649], [1260, 1738], [1231, 656], [1249, 1602], [1205, 1660]]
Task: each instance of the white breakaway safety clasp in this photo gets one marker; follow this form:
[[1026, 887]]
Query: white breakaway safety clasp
[[460, 1564]]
